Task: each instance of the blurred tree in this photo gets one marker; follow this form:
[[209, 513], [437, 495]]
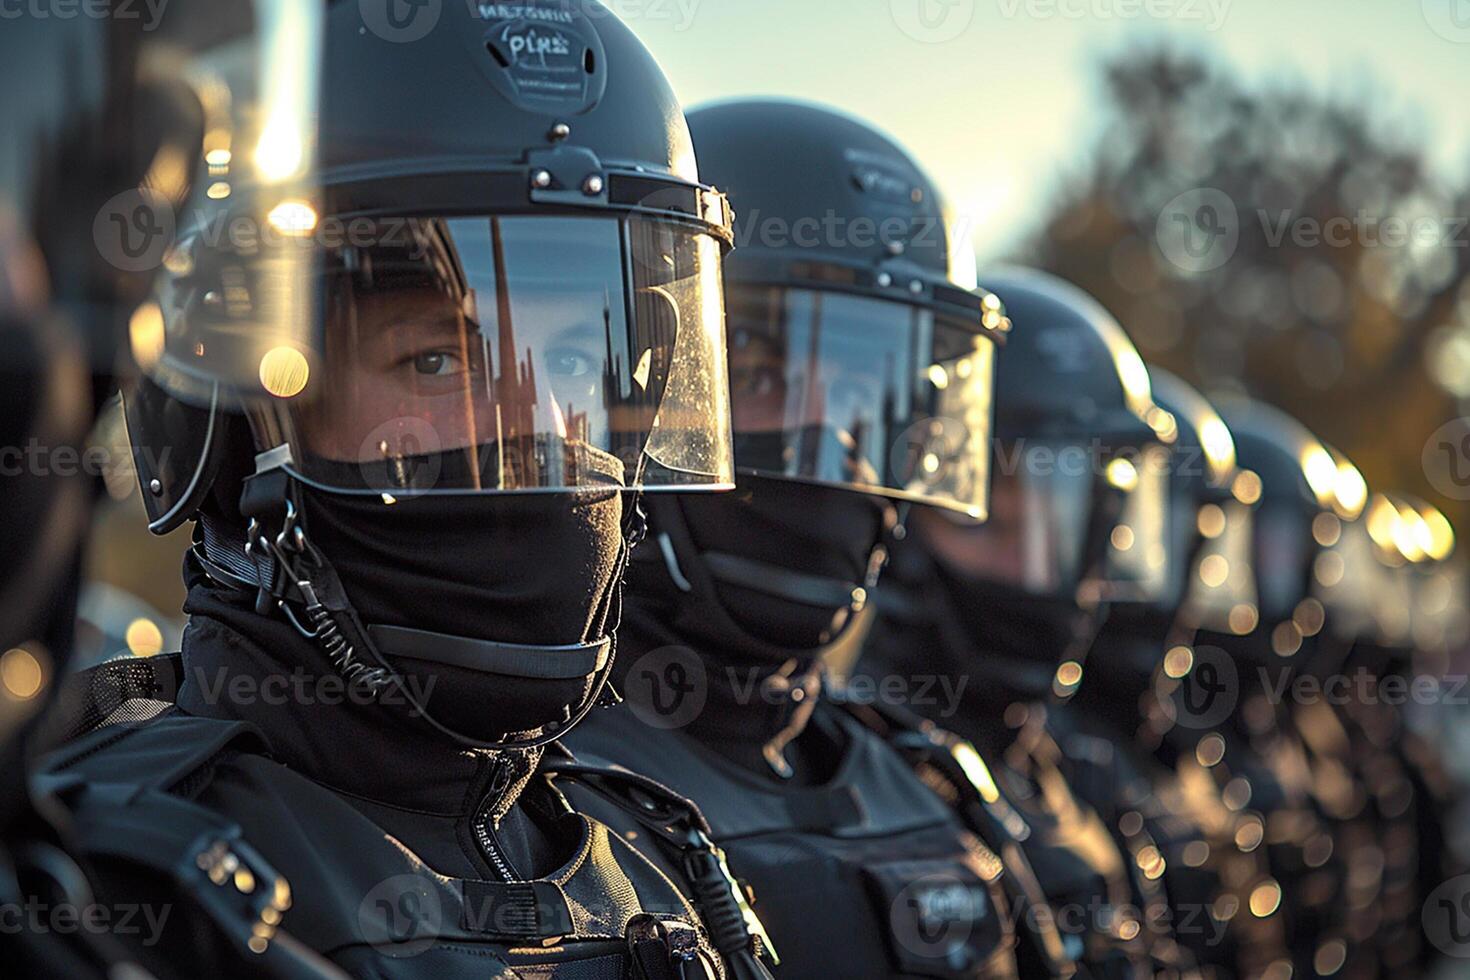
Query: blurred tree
[[1279, 243]]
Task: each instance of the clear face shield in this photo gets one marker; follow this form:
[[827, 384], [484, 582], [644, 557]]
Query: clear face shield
[[382, 351], [1221, 593], [1066, 521], [514, 354], [864, 393]]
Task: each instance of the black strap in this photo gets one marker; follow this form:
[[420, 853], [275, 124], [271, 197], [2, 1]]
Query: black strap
[[985, 813], [734, 928], [489, 656], [205, 855], [768, 579]]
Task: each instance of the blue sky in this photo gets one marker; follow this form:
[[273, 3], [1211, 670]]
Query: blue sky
[[998, 98]]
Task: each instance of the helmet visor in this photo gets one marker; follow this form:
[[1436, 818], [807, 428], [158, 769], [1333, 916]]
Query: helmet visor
[[1139, 561], [1065, 518], [863, 393], [510, 354], [1222, 590]]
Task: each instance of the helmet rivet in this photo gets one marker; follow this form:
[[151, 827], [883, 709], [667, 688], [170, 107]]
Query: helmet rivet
[[560, 132], [916, 287], [155, 487], [593, 185], [895, 249], [885, 280], [541, 179]]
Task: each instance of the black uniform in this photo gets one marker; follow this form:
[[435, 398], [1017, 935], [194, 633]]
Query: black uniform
[[390, 852], [856, 867]]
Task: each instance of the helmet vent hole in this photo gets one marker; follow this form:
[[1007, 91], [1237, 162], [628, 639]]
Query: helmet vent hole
[[496, 53], [589, 62]]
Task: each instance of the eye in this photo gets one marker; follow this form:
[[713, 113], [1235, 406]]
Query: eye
[[569, 362], [435, 364]]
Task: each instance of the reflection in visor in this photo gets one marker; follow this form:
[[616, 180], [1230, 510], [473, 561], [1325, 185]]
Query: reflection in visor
[[509, 353], [1052, 529], [863, 393], [1137, 567], [1222, 589]]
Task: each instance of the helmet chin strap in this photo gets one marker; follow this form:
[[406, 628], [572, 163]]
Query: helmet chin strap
[[292, 571]]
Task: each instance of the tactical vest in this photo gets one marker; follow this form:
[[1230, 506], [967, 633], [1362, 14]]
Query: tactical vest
[[293, 868], [870, 875]]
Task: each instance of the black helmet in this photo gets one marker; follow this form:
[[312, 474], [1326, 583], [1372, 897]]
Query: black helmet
[[532, 134], [102, 113], [1209, 526], [1079, 444], [1302, 494], [861, 351], [494, 274], [94, 155]]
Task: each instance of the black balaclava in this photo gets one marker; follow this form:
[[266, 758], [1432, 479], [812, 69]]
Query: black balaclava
[[719, 576], [534, 569], [538, 569], [1008, 641]]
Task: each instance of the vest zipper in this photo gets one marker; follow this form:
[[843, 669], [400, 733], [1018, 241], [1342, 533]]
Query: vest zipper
[[484, 825]]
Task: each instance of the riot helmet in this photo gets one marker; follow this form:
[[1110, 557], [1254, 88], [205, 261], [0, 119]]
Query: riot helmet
[[1079, 484], [1209, 521], [394, 357], [861, 360], [1302, 494]]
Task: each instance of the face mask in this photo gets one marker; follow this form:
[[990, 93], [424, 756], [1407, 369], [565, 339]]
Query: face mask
[[537, 570], [783, 558]]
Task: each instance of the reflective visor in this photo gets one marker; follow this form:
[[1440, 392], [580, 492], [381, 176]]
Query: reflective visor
[[1222, 590], [864, 393], [509, 354], [1064, 518]]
